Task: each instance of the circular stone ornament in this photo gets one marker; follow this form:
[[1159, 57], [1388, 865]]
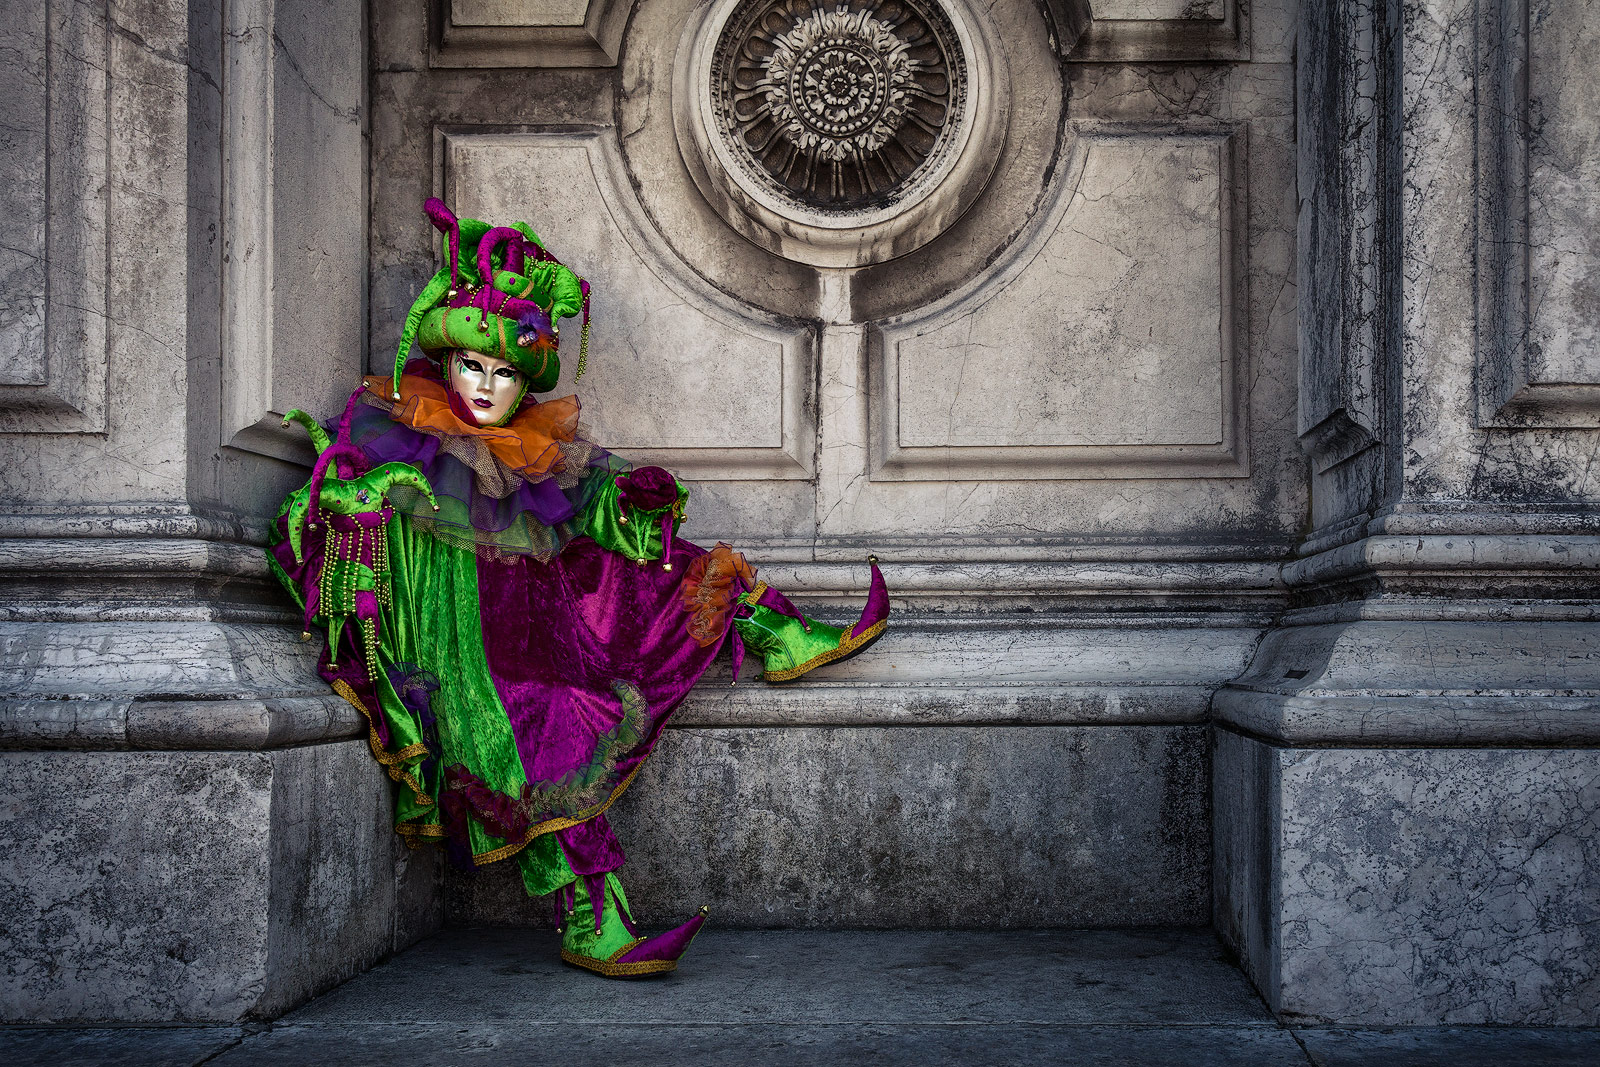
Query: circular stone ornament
[[840, 133]]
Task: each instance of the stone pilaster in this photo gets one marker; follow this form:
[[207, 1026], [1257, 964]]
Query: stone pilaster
[[195, 829], [1404, 779]]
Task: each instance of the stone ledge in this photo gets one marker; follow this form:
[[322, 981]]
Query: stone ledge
[[222, 725], [1409, 682]]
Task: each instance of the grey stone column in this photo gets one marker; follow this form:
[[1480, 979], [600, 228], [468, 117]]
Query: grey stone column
[[194, 828], [1406, 784]]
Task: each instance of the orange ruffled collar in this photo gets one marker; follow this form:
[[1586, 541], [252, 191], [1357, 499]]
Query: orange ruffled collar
[[527, 444]]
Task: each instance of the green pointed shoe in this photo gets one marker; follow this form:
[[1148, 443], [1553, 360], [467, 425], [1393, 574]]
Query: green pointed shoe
[[613, 946], [791, 645]]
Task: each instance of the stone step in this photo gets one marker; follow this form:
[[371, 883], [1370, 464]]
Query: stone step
[[489, 996]]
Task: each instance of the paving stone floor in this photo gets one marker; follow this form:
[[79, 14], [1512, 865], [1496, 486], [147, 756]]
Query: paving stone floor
[[492, 996]]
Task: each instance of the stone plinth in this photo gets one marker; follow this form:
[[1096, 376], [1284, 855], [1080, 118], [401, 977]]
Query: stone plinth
[[1412, 886], [198, 886]]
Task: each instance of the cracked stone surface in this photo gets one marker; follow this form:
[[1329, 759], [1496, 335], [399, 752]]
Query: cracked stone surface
[[941, 827]]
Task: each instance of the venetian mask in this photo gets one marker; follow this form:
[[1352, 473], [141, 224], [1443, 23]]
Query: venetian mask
[[489, 387]]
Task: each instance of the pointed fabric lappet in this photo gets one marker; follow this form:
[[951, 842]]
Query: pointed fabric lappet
[[348, 514]]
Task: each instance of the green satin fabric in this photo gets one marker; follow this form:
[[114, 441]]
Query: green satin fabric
[[433, 623]]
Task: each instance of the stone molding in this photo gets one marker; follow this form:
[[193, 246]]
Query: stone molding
[[713, 92], [1208, 31], [211, 725], [1511, 392], [56, 281], [1438, 683], [495, 33], [1221, 454]]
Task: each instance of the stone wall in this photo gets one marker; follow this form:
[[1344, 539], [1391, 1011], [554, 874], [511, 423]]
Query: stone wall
[[1048, 379], [1227, 449], [1404, 791]]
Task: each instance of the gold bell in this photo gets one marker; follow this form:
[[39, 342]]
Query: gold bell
[[623, 519], [305, 635]]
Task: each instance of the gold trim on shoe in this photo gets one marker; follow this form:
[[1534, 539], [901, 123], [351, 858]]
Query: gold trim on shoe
[[610, 968], [848, 647]]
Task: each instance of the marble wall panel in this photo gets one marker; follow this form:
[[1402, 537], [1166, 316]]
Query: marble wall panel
[[518, 12], [679, 374], [525, 33], [1563, 204], [1131, 31], [1122, 304], [940, 827], [1539, 351], [24, 96], [52, 271], [1441, 886], [1459, 350]]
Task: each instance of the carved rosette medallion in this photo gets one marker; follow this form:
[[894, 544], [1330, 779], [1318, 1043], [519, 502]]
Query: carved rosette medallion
[[840, 132], [838, 107]]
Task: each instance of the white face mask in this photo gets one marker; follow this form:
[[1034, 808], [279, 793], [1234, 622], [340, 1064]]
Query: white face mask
[[490, 387]]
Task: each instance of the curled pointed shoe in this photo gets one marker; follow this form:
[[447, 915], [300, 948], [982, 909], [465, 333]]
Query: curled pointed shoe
[[791, 644], [611, 945], [643, 956]]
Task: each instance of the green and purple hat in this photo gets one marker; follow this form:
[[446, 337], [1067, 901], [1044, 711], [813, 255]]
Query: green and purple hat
[[504, 299]]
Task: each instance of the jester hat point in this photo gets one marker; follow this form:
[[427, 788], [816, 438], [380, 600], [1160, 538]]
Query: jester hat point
[[501, 294]]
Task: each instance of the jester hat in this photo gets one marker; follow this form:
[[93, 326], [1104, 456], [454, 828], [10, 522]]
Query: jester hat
[[504, 298]]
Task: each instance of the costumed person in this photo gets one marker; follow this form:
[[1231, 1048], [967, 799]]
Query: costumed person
[[507, 603]]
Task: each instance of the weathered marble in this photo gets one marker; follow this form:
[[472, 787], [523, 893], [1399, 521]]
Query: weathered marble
[[1399, 887], [1134, 305], [663, 344], [940, 826], [1439, 681], [202, 886]]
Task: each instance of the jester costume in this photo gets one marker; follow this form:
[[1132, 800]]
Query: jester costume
[[506, 603]]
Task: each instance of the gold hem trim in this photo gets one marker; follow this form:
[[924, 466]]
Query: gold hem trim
[[609, 969], [846, 647], [552, 825], [391, 761]]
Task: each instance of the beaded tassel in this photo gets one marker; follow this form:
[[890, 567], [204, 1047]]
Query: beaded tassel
[[583, 354]]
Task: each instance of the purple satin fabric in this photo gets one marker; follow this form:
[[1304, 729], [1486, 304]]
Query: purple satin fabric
[[591, 847], [584, 621]]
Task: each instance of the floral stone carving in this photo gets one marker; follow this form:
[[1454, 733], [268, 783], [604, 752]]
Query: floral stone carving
[[838, 107], [839, 132]]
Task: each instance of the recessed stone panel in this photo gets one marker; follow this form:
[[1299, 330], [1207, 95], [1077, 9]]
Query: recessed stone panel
[[933, 827], [677, 373], [1563, 195], [1109, 334]]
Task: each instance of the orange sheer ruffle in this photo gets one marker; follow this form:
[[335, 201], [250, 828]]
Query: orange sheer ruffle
[[710, 589], [526, 444]]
